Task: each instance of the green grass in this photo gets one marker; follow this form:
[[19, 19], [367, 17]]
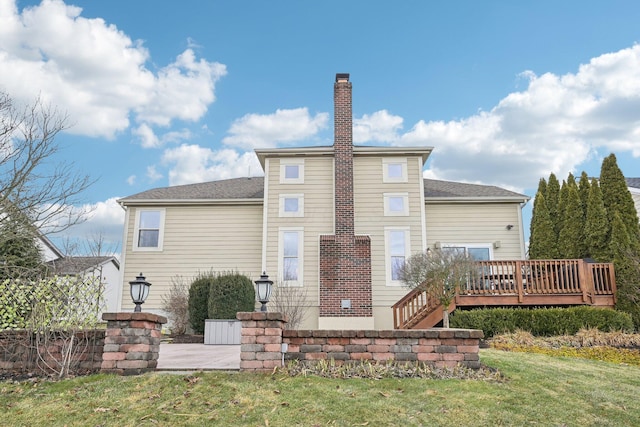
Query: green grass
[[539, 390]]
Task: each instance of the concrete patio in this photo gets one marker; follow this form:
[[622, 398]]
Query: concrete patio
[[198, 357]]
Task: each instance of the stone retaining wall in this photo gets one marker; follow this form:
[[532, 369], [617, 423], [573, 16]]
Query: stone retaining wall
[[263, 336], [21, 351], [132, 342]]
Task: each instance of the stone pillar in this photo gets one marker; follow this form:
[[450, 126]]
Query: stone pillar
[[261, 342], [131, 342]]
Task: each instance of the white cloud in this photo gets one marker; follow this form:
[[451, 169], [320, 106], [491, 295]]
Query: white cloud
[[95, 72], [149, 139], [105, 218], [153, 174], [131, 180], [555, 124], [270, 130], [377, 127], [193, 163]]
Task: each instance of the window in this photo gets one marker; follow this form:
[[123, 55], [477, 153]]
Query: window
[[394, 170], [396, 204], [290, 256], [291, 205], [479, 252], [148, 234], [292, 171], [397, 249]]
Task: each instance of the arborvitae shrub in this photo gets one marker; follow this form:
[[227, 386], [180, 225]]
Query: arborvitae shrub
[[229, 294], [198, 301], [541, 322]]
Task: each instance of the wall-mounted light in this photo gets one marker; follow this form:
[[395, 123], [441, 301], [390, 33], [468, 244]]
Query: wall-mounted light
[[509, 227], [497, 244], [437, 245]]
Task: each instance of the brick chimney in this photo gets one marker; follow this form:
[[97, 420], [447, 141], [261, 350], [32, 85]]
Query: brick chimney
[[343, 152], [345, 259]]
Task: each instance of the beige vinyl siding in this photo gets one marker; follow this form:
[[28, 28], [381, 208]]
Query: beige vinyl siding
[[196, 238], [318, 219], [636, 199], [369, 190], [476, 223]]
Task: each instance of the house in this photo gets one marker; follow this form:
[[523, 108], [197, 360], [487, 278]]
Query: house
[[106, 268], [633, 184], [336, 220]]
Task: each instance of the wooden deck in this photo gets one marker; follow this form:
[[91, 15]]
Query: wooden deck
[[520, 283]]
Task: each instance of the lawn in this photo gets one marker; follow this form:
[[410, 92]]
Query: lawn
[[538, 390]]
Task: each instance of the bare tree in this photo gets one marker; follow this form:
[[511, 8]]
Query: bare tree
[[293, 301], [441, 272], [32, 182]]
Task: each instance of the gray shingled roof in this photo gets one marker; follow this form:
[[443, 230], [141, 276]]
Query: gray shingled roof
[[236, 188], [253, 188], [633, 182], [435, 188], [78, 264]]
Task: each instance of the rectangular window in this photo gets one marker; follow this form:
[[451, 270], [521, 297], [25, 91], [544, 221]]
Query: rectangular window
[[148, 233], [397, 250], [291, 171], [290, 256], [394, 170], [396, 204], [291, 205]]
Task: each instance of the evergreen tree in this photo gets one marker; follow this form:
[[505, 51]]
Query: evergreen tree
[[571, 241], [627, 275], [617, 198], [596, 229], [562, 206], [542, 189], [551, 198], [542, 242], [583, 190], [20, 256]]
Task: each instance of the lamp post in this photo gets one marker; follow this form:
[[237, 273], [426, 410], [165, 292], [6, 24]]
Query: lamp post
[[263, 290], [139, 292]]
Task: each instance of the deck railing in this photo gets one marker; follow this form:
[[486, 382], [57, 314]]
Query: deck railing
[[524, 278]]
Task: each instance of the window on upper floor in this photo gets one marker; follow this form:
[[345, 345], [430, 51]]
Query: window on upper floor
[[290, 253], [149, 232], [394, 170], [397, 249], [396, 204], [291, 171], [291, 205]]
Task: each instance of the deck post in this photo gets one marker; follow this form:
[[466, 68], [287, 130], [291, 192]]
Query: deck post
[[517, 274]]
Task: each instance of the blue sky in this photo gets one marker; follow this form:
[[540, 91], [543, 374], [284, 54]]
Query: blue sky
[[164, 93]]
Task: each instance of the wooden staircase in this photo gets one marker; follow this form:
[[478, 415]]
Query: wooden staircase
[[515, 283]]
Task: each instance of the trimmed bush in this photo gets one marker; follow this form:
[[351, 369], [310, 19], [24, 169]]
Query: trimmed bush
[[542, 322], [229, 294], [199, 300]]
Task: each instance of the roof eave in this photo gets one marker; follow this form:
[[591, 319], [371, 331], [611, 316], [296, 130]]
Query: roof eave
[[443, 200], [175, 202]]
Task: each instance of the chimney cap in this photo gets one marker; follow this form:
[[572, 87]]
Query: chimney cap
[[342, 77]]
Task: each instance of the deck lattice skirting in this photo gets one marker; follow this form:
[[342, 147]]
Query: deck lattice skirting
[[263, 336]]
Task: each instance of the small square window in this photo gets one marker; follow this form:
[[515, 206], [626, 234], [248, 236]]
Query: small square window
[[291, 205], [396, 204], [394, 170], [148, 230], [292, 171]]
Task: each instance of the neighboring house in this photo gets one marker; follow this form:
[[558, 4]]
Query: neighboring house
[[107, 268], [634, 188], [336, 220]]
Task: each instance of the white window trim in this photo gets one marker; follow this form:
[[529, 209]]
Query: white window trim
[[136, 231], [300, 281], [387, 205], [402, 161], [466, 246], [387, 251], [297, 214], [292, 162]]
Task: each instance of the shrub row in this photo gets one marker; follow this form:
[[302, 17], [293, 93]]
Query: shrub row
[[219, 296], [542, 321]]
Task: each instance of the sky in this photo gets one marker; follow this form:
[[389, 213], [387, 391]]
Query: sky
[[163, 93]]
